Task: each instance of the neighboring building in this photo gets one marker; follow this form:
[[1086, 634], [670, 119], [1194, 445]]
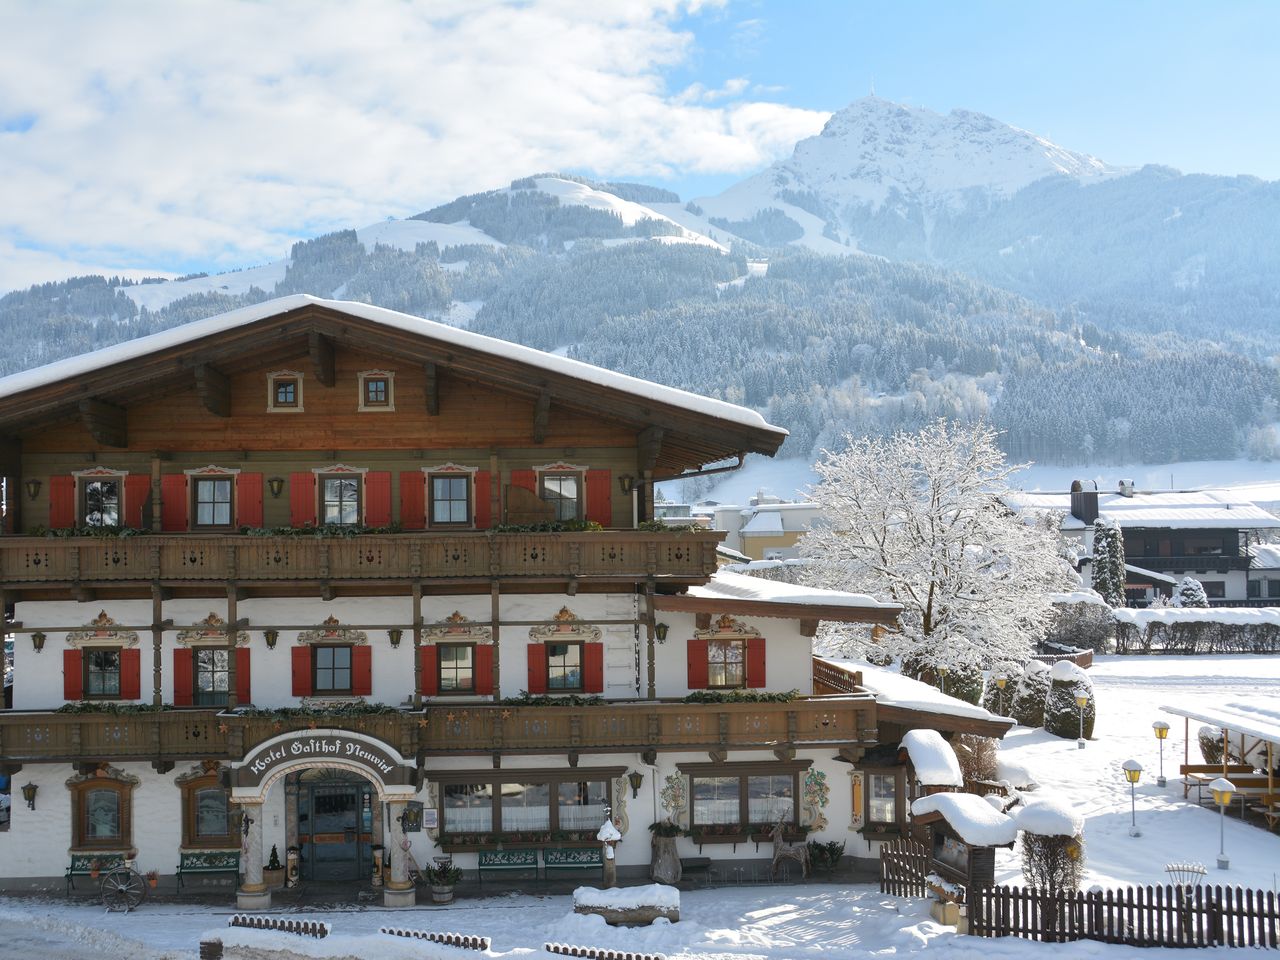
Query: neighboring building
[[768, 529], [313, 575], [1209, 535]]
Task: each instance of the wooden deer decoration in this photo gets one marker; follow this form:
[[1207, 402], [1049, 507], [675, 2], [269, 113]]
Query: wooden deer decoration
[[782, 850]]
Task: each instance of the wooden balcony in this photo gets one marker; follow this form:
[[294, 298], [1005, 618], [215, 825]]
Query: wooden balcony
[[195, 558], [172, 736]]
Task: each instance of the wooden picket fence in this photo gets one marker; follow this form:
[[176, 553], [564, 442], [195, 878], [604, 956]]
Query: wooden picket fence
[[1161, 916], [903, 866]]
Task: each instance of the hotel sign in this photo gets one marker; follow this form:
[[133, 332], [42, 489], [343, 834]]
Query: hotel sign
[[320, 748]]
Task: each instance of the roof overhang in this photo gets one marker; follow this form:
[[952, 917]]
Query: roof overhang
[[784, 611]]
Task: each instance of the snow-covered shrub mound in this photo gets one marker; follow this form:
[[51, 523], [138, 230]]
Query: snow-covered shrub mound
[[994, 699], [1049, 817], [1190, 593], [1052, 845], [1014, 773], [648, 895], [1061, 710], [1030, 694], [934, 761]]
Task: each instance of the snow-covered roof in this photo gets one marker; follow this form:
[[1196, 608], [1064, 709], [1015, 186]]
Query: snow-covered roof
[[1150, 574], [1170, 509], [1266, 556], [934, 761], [893, 689], [1255, 716], [725, 585], [766, 521], [765, 564], [1049, 817], [190, 332], [977, 822]]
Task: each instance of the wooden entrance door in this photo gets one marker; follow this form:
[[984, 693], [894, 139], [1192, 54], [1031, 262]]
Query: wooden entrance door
[[336, 820]]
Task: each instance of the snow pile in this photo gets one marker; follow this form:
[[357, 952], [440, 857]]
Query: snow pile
[[975, 820], [1049, 817], [628, 898], [934, 761], [273, 943], [1078, 596], [1014, 772]]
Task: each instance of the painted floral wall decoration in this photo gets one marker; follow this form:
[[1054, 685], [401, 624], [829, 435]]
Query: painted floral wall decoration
[[816, 795], [675, 797]]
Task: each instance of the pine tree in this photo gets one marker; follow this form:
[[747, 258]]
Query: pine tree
[[1190, 593], [1108, 561]]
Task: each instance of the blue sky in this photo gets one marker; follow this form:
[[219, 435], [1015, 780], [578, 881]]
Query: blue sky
[[149, 137]]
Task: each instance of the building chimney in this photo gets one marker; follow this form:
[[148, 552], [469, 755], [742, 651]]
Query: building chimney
[[1126, 488], [1084, 503]]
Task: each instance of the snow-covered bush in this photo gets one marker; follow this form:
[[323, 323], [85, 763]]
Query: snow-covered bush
[[1191, 630], [977, 756], [993, 698], [1061, 711], [1190, 593], [1080, 620], [1210, 740], [963, 683], [1052, 845], [1031, 693]]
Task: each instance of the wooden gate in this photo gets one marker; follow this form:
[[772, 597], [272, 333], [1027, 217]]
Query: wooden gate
[[903, 866]]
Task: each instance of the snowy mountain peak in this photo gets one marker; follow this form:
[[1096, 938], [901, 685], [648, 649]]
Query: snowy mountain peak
[[876, 151]]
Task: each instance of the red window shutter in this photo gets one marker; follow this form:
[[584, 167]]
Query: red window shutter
[[302, 671], [173, 501], [483, 492], [377, 498], [525, 479], [249, 500], [72, 675], [755, 661], [413, 500], [302, 499], [131, 674], [362, 671], [243, 687], [429, 682], [599, 506], [593, 668], [184, 660], [62, 502], [137, 488], [484, 669], [697, 664], [537, 668]]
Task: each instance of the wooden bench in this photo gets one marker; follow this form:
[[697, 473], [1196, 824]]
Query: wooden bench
[[696, 865], [571, 858], [207, 861], [502, 860], [86, 864], [1200, 775]]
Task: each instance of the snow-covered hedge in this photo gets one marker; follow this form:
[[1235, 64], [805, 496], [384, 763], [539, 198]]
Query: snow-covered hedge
[[1191, 630], [1082, 619]]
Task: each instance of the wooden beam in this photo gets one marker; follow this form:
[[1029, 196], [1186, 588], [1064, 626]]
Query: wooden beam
[[162, 766], [785, 754], [105, 422], [10, 457], [702, 620], [433, 389], [541, 416], [808, 627], [214, 388], [852, 754], [321, 349], [649, 447]]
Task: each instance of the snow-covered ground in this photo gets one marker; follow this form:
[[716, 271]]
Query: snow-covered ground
[[792, 921]]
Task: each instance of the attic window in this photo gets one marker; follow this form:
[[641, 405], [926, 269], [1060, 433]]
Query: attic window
[[377, 390], [284, 392]]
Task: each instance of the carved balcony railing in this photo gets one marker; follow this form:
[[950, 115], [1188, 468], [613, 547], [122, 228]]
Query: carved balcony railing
[[403, 556], [477, 729]]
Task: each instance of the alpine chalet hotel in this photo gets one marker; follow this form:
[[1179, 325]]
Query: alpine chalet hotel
[[371, 590]]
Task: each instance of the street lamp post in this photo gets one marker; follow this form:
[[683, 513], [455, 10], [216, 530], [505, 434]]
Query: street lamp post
[[1001, 680], [1162, 730], [1132, 771], [1222, 790], [1080, 702], [942, 672]]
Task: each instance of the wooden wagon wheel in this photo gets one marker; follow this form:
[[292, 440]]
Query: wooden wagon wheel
[[122, 890]]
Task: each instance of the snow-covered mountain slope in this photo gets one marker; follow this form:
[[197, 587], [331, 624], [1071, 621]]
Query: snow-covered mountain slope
[[875, 152]]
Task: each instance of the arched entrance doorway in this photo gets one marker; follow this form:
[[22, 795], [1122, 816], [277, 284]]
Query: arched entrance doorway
[[336, 818]]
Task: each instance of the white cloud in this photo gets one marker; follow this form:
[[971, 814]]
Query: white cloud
[[217, 131]]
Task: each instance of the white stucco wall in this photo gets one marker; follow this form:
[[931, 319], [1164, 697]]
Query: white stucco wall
[[788, 655]]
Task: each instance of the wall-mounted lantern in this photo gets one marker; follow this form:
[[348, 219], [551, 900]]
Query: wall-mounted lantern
[[394, 635], [628, 483], [33, 487], [272, 637], [636, 778], [29, 794], [660, 631], [276, 486], [37, 641]]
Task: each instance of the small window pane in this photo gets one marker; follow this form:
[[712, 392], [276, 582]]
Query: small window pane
[[715, 800], [286, 392], [212, 816], [213, 503], [770, 798], [333, 669], [468, 807], [564, 666], [450, 499], [102, 673], [102, 503], [456, 663], [212, 677], [375, 391], [561, 490], [102, 815], [342, 500], [882, 789], [526, 806], [727, 663], [583, 805]]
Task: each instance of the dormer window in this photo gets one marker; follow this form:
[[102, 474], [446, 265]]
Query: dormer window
[[284, 391], [377, 390]]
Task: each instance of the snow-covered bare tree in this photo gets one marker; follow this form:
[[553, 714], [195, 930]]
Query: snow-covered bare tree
[[1190, 593], [918, 518], [1108, 561]]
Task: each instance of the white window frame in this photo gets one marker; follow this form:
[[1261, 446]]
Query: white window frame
[[390, 377], [271, 391]]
